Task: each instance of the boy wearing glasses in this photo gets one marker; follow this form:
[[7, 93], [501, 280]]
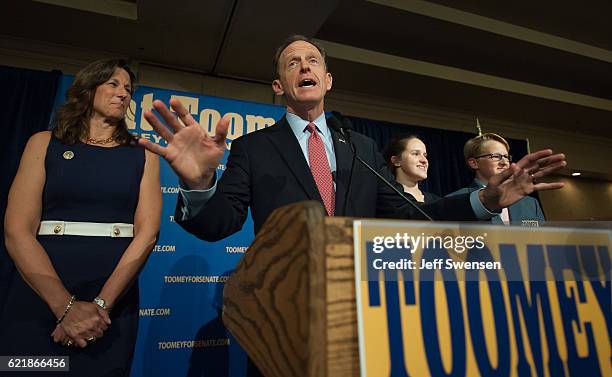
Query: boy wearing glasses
[[487, 155]]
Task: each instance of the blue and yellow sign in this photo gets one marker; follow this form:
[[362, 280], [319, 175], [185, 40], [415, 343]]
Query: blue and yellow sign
[[448, 299]]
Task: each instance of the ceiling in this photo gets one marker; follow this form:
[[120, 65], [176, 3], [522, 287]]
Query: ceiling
[[547, 63]]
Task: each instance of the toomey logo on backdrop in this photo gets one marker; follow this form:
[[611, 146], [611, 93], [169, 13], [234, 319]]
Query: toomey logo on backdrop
[[206, 110], [464, 300]]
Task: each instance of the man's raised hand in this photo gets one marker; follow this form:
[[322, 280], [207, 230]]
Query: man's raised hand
[[191, 152]]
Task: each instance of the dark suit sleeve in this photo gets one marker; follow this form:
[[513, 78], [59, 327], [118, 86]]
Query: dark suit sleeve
[[225, 213], [463, 190], [430, 197], [390, 204]]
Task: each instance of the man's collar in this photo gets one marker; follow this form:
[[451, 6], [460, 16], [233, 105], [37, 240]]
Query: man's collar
[[298, 124], [479, 183]]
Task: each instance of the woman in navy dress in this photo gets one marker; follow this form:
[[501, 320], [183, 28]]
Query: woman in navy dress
[[82, 217], [406, 157]]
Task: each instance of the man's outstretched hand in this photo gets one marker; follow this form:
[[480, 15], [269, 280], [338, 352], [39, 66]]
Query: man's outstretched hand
[[191, 152], [521, 179]]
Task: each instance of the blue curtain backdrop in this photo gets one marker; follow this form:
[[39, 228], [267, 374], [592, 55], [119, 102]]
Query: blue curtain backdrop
[[447, 169], [27, 98]]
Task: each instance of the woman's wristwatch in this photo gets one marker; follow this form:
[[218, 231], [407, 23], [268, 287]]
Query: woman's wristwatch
[[100, 302]]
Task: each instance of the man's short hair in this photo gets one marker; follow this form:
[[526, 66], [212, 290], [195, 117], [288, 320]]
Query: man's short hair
[[473, 147], [290, 40]]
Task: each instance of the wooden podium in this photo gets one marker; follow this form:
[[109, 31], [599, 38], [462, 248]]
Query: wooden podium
[[290, 302]]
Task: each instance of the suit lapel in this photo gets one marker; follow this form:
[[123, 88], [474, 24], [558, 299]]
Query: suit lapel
[[475, 186], [497, 220], [516, 211], [290, 152], [344, 159]]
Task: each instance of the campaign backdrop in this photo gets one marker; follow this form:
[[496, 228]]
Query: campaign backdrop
[[181, 286]]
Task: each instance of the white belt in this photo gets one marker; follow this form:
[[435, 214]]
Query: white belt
[[76, 228]]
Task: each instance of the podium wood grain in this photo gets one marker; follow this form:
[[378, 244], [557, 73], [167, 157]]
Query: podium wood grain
[[290, 302]]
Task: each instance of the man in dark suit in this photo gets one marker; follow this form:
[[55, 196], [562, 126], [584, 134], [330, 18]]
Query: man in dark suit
[[487, 155], [298, 158]]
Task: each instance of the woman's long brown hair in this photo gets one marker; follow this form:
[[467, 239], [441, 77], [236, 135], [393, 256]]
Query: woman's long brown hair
[[71, 121]]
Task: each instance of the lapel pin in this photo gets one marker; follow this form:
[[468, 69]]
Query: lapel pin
[[68, 155]]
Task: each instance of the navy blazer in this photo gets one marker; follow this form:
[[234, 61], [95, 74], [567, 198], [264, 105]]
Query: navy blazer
[[266, 169], [526, 211]]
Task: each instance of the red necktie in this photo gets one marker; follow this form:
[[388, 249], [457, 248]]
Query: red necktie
[[319, 166]]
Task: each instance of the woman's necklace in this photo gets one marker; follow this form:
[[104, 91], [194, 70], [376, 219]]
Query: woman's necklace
[[100, 141]]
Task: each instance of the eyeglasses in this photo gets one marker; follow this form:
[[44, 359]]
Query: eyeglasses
[[497, 157]]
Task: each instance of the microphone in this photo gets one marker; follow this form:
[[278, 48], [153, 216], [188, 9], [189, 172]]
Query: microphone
[[343, 126], [345, 131]]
